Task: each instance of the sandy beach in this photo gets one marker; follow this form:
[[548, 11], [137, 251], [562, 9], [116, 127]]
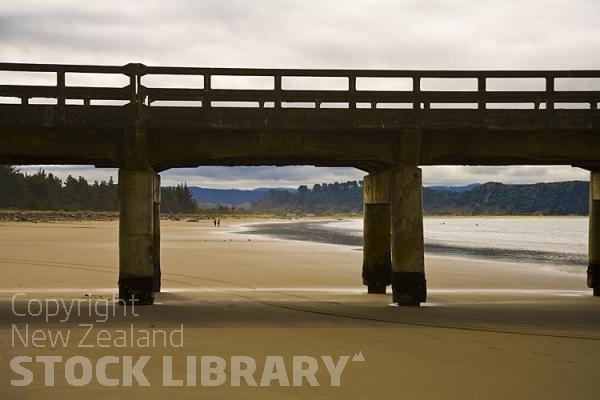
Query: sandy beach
[[489, 330]]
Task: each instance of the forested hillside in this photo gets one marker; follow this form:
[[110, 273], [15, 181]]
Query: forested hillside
[[321, 199], [560, 198], [42, 191]]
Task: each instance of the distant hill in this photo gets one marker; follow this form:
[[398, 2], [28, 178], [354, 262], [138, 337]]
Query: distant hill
[[465, 188], [559, 198], [208, 198]]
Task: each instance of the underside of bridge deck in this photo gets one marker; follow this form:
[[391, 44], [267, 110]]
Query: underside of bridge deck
[[372, 140]]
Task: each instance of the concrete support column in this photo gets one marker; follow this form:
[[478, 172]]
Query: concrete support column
[[377, 262], [593, 271], [136, 236], [408, 265], [156, 233]]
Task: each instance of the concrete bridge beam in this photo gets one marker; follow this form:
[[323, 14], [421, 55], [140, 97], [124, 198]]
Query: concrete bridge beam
[[408, 265], [593, 271], [136, 236], [377, 261]]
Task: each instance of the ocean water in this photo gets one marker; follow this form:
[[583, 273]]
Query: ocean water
[[559, 242]]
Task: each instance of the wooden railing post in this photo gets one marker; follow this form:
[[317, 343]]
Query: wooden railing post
[[135, 73], [416, 92], [550, 93], [141, 94], [60, 85], [132, 87], [352, 92], [277, 90], [206, 102], [481, 89]]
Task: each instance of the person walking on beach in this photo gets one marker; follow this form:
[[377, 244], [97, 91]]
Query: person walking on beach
[[218, 222], [215, 222]]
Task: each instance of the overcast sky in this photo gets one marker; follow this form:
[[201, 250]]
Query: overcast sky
[[420, 34]]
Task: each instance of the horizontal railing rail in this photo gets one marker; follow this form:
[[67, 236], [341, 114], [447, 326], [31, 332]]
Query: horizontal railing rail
[[345, 88]]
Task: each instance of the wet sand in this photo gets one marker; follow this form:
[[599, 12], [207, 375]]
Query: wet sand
[[489, 330]]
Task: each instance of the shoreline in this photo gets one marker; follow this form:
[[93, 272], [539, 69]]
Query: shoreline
[[37, 216], [317, 231]]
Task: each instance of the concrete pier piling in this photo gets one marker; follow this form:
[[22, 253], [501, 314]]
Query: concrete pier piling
[[156, 232], [593, 271], [408, 265], [377, 261], [136, 236]]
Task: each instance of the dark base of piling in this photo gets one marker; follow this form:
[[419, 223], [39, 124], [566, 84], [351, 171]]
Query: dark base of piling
[[136, 290], [376, 289], [409, 288], [376, 278], [593, 278], [156, 279]]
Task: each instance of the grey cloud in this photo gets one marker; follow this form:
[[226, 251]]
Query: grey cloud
[[529, 171], [251, 177], [378, 34], [455, 175]]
